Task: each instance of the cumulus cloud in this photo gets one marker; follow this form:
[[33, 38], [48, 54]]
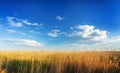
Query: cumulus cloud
[[25, 42], [89, 32], [13, 21], [59, 18], [54, 33], [89, 37]]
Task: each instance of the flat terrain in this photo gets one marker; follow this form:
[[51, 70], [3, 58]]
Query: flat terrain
[[60, 62]]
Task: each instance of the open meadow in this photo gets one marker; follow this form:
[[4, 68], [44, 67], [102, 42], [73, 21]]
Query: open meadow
[[60, 62], [59, 36]]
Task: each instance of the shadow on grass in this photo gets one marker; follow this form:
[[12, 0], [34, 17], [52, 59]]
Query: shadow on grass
[[17, 66], [30, 66]]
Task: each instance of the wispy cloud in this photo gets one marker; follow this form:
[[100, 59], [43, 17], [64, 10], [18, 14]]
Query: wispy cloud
[[59, 18], [14, 31], [21, 33], [115, 39], [89, 32], [54, 33], [13, 21], [32, 24], [25, 42], [10, 31]]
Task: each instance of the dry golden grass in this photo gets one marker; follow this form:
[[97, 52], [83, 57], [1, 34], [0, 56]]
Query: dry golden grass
[[59, 62]]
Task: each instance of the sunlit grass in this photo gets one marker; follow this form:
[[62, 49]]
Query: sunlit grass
[[59, 62]]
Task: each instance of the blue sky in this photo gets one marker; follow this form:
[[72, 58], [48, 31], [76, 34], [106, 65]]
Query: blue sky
[[59, 24]]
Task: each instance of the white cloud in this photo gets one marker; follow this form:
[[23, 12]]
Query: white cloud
[[59, 18], [107, 44], [13, 21], [26, 22], [10, 31], [32, 24], [14, 31], [54, 33], [89, 32], [25, 42], [115, 39], [88, 37]]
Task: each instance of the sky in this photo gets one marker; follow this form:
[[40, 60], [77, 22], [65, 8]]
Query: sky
[[59, 25]]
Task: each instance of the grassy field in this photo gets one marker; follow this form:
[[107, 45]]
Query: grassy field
[[60, 62]]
